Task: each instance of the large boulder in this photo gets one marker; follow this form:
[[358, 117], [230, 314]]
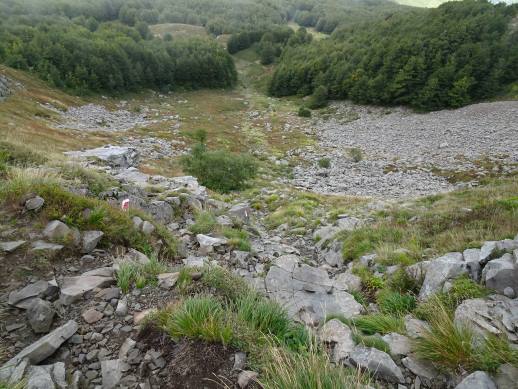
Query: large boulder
[[307, 293], [111, 371], [477, 380], [440, 270], [502, 273], [496, 314], [377, 362], [116, 156]]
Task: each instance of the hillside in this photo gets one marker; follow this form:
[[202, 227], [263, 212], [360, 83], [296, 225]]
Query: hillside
[[188, 230]]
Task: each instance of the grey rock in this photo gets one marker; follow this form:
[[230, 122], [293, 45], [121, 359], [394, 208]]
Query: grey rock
[[420, 368], [57, 230], [122, 307], [41, 245], [90, 241], [240, 212], [477, 380], [34, 204], [161, 211], [9, 247], [137, 222], [415, 328], [167, 280], [39, 378], [43, 347], [307, 293], [128, 345], [111, 371], [239, 361], [74, 288], [137, 256], [348, 282], [398, 344], [339, 336], [325, 234], [376, 362], [486, 252], [472, 259], [495, 314], [207, 243], [245, 378], [501, 273], [23, 298], [506, 376], [440, 270], [116, 156], [333, 255], [40, 316], [148, 228], [224, 221], [196, 262], [92, 316]]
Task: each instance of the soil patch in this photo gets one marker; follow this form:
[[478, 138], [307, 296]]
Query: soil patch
[[192, 363]]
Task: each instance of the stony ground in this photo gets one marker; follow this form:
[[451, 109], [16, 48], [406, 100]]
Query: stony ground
[[406, 153]]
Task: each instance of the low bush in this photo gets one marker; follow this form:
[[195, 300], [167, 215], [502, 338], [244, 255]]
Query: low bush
[[219, 170], [318, 99], [304, 112], [324, 163], [356, 154]]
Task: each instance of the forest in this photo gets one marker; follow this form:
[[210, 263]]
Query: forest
[[447, 57]]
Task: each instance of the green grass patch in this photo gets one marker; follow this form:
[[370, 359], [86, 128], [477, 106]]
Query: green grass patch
[[237, 239], [205, 223], [395, 303], [378, 324], [139, 275], [438, 224]]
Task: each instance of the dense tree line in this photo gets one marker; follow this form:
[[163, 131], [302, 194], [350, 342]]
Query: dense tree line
[[269, 44], [113, 57], [430, 59]]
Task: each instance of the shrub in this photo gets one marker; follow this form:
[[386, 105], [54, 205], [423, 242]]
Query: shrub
[[319, 98], [304, 112], [219, 170], [356, 154], [394, 303], [324, 163], [202, 318]]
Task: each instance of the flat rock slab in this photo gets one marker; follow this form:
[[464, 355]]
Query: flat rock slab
[[41, 245], [9, 247], [117, 156], [24, 297], [42, 348], [73, 288]]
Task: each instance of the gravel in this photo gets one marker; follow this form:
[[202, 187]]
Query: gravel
[[402, 149]]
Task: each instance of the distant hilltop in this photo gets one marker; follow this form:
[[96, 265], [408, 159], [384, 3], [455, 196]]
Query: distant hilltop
[[436, 3]]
